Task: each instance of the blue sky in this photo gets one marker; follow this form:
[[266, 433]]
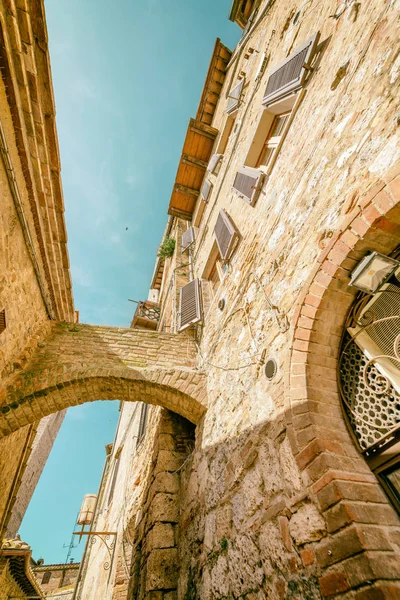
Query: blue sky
[[127, 77]]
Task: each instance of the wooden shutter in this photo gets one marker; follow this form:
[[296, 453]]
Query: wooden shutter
[[2, 320], [188, 237], [248, 183], [190, 307], [290, 75], [226, 235], [234, 97], [206, 189], [214, 161]]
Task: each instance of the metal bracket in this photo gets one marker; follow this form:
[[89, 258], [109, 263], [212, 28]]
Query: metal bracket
[[104, 537]]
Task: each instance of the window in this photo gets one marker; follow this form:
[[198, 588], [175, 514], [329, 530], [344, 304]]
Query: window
[[2, 320], [226, 133], [389, 476], [234, 97], [242, 11], [282, 97], [214, 164], [214, 270], [206, 189], [273, 139], [142, 423], [370, 382], [114, 479], [46, 577]]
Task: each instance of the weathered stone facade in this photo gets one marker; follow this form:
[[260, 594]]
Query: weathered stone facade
[[272, 498], [57, 581], [35, 283], [42, 444], [276, 501]]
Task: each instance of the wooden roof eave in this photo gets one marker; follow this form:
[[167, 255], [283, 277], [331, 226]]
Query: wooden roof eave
[[215, 76], [194, 158]]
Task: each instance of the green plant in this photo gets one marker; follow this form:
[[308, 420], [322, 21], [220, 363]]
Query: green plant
[[224, 543], [167, 248]]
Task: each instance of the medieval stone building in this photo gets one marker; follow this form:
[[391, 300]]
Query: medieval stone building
[[267, 465], [35, 283]]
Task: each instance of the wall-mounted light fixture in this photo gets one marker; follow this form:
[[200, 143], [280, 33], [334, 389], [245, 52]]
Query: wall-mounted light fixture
[[372, 272]]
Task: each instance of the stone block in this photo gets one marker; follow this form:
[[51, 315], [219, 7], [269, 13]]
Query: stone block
[[161, 535], [307, 525], [162, 569], [164, 508]]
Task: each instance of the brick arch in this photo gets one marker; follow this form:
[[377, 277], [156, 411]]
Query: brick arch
[[83, 363], [350, 498]]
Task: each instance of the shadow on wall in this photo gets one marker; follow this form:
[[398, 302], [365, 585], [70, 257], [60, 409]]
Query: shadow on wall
[[238, 518]]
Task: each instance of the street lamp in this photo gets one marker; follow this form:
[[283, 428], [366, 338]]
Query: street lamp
[[372, 272]]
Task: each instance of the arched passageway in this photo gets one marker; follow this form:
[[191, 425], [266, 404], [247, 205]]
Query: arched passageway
[[347, 491], [81, 363]]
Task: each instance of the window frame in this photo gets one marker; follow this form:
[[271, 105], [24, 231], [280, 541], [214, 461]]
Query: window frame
[[272, 142]]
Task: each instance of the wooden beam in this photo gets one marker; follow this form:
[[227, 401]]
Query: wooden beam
[[203, 129], [174, 212], [194, 162], [183, 189]]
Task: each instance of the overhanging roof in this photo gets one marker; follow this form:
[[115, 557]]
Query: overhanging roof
[[197, 149], [200, 138], [18, 554]]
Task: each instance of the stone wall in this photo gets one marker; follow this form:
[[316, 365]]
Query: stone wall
[[42, 445], [60, 579], [35, 282], [279, 503], [139, 498]]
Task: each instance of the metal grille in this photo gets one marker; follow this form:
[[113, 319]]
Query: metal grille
[[2, 320], [148, 311], [234, 97], [371, 402], [381, 329], [225, 234]]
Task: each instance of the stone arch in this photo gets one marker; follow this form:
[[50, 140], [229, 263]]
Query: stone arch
[[78, 364], [348, 493]]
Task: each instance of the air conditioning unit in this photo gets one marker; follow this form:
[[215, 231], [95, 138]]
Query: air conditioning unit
[[378, 332]]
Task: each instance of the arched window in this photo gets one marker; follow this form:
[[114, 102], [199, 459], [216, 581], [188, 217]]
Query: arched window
[[369, 381]]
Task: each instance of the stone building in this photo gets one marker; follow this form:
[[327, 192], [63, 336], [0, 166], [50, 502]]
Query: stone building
[[289, 176], [268, 463], [57, 581], [35, 283]]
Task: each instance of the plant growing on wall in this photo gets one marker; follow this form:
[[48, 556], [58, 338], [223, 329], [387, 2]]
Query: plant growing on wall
[[167, 248]]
